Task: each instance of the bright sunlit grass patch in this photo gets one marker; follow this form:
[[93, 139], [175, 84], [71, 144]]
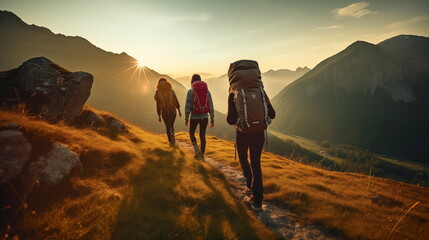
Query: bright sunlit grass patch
[[134, 186], [354, 206]]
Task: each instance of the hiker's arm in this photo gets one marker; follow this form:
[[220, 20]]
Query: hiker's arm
[[231, 115], [211, 108], [271, 111], [176, 103], [158, 105], [188, 105]]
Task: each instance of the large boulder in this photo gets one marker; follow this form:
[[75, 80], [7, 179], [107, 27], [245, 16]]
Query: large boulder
[[51, 168], [46, 88], [15, 150]]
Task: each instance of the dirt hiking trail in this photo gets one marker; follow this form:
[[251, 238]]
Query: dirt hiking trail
[[279, 219]]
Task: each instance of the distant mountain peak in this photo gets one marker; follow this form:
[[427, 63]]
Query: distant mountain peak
[[287, 71], [10, 18], [404, 37], [5, 13], [360, 45], [305, 68]]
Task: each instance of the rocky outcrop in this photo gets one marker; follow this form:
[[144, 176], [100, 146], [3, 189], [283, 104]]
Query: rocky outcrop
[[114, 125], [16, 158], [88, 118], [46, 89], [15, 150], [55, 165]]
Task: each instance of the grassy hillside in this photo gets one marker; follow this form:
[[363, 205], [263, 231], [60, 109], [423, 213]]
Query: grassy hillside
[[131, 186], [353, 205]]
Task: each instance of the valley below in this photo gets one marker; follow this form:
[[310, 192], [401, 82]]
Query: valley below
[[349, 158]]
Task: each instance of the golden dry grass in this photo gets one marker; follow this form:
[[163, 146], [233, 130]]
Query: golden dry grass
[[354, 206], [133, 186]]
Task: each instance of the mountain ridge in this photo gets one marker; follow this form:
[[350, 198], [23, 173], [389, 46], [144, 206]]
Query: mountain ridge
[[355, 97], [8, 18]]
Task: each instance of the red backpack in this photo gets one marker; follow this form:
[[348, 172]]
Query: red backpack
[[200, 97]]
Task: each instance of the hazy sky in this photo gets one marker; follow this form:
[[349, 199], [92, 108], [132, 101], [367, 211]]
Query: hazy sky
[[181, 37]]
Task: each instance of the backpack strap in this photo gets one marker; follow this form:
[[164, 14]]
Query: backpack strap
[[235, 145], [245, 108], [198, 100], [235, 100]]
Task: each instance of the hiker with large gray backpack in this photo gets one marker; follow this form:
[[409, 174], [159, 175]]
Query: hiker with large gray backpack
[[250, 110], [166, 105], [199, 105]]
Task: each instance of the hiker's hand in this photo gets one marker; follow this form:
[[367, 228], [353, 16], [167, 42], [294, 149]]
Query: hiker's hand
[[187, 123], [212, 125], [180, 114], [159, 118]]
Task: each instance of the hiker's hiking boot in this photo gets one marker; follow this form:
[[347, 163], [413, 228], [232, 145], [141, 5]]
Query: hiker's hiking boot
[[196, 149], [197, 152], [255, 206], [199, 155]]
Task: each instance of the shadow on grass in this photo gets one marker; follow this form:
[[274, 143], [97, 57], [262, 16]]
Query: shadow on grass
[[220, 211], [151, 211]]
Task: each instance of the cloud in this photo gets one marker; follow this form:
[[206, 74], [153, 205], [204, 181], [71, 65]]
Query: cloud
[[332, 27], [202, 17], [355, 10], [400, 24]]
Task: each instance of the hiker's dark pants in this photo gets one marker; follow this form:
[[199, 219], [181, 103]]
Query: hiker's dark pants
[[253, 173], [203, 126], [169, 117]]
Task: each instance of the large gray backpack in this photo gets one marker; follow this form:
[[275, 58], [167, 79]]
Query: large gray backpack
[[250, 98]]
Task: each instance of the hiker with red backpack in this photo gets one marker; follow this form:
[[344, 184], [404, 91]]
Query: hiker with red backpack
[[199, 105], [166, 105], [250, 110]]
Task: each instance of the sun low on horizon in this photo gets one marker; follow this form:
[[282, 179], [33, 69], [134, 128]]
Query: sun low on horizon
[[141, 63]]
